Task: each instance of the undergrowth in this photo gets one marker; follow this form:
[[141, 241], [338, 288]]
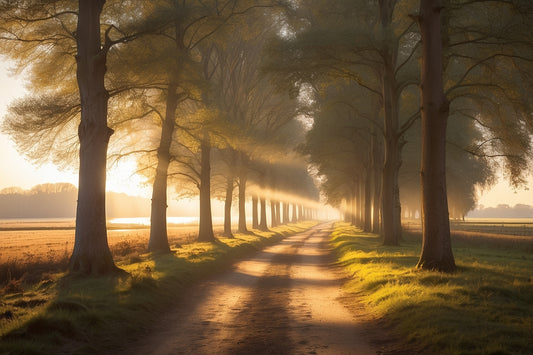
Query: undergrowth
[[486, 307]]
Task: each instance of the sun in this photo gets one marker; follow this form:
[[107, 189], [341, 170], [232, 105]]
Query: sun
[[123, 178]]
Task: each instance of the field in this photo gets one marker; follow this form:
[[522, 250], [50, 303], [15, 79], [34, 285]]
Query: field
[[505, 232], [38, 238], [51, 312], [33, 248], [486, 307]]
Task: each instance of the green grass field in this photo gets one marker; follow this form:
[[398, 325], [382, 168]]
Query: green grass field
[[486, 307], [58, 314]]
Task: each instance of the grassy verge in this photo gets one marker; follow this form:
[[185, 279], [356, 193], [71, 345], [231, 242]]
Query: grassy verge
[[486, 307], [65, 315]]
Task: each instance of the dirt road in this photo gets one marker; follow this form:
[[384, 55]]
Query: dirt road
[[284, 300]]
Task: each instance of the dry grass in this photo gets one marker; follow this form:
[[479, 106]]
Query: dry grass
[[29, 253], [97, 315], [493, 235], [493, 240]]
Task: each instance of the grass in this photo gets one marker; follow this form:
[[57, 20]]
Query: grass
[[60, 314], [486, 307]]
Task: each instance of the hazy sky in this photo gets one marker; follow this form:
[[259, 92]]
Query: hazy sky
[[16, 171]]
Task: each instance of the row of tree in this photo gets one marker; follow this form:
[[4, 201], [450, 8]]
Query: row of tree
[[177, 84], [185, 88], [393, 81]]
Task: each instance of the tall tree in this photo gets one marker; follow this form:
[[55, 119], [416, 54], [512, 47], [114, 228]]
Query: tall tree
[[91, 253], [41, 31], [436, 246], [372, 44]]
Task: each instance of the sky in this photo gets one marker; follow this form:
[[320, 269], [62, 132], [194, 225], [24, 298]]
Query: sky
[[17, 171]]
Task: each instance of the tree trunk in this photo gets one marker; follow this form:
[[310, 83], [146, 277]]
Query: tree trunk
[[91, 255], [227, 207], [205, 233], [390, 192], [255, 212], [286, 213], [353, 218], [357, 204], [294, 213], [158, 218], [390, 210], [263, 220], [361, 203], [436, 243], [301, 213], [273, 219], [377, 168], [368, 199], [242, 204]]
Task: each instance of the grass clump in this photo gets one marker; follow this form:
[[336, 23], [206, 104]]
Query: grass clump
[[486, 307], [91, 315]]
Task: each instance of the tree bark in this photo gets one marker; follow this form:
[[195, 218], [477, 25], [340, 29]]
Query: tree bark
[[285, 213], [205, 233], [263, 220], [357, 204], [227, 207], [390, 191], [436, 243], [91, 254], [353, 218], [255, 212], [273, 218], [242, 203], [377, 169], [158, 217], [368, 199]]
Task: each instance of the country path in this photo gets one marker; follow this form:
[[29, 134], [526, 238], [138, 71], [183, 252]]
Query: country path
[[286, 299]]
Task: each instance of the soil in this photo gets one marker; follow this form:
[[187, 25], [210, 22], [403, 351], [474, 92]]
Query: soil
[[287, 299]]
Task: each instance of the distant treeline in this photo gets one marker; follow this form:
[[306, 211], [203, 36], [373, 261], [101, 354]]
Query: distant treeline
[[503, 211], [59, 201]]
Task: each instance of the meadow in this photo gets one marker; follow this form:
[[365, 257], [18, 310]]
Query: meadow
[[486, 307], [51, 312], [33, 248]]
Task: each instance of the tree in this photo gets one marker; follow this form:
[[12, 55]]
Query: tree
[[373, 45], [43, 33], [345, 116], [486, 58], [251, 109], [91, 253], [436, 246]]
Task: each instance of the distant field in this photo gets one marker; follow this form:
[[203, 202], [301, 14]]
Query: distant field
[[501, 226], [39, 238]]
